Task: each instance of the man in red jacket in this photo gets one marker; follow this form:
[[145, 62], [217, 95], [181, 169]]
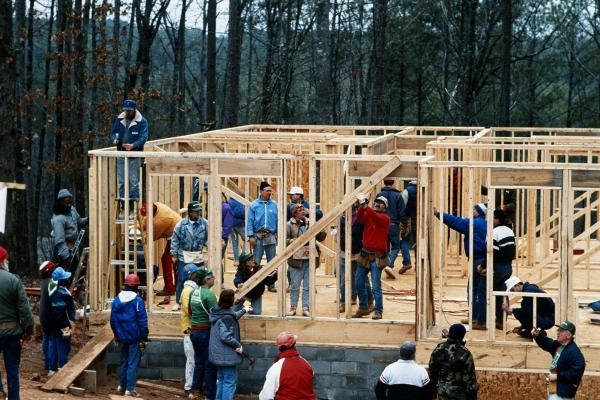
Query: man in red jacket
[[291, 377], [373, 256]]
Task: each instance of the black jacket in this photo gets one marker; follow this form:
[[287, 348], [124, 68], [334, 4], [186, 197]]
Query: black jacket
[[356, 234], [243, 274], [570, 366]]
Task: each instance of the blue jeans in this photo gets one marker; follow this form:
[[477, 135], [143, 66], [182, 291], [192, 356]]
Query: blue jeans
[[45, 352], [11, 347], [130, 360], [205, 374], [299, 276], [256, 304], [393, 243], [226, 382], [268, 250], [361, 277], [501, 271], [475, 305], [59, 350], [342, 276], [237, 233], [181, 278], [134, 165], [405, 249]]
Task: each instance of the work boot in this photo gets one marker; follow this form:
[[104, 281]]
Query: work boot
[[377, 315], [272, 289], [371, 306], [120, 390], [389, 273], [499, 325], [306, 312], [292, 311], [342, 308], [404, 269], [361, 312]]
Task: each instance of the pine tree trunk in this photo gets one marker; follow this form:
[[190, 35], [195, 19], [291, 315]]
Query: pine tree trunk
[[234, 54], [211, 63], [505, 80]]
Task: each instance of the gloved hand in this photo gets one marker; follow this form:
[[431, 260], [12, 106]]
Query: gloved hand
[[362, 199], [248, 308], [333, 232]]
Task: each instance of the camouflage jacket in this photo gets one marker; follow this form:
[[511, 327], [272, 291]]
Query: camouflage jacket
[[452, 370]]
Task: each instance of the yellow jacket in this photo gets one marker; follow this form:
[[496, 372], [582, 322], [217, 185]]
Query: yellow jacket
[[186, 320], [164, 221]]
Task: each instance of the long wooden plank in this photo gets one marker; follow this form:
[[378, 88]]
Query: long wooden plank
[[362, 169], [84, 357], [524, 177], [253, 168], [319, 226], [177, 166]]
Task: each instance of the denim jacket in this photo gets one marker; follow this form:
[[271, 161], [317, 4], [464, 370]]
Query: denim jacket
[[189, 236]]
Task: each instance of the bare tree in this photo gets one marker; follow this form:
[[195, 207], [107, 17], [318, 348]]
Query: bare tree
[[234, 54], [211, 63]]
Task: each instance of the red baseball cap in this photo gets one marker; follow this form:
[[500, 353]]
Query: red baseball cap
[[47, 266], [3, 254], [286, 339]]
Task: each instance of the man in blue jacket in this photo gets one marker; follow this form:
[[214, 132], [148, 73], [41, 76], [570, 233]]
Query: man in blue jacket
[[189, 237], [129, 323], [129, 133], [544, 306], [261, 228], [60, 318], [461, 225], [568, 364]]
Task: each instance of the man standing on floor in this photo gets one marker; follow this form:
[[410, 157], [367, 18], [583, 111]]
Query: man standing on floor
[[373, 257], [164, 221], [189, 237], [395, 210], [261, 228], [568, 364], [404, 379], [66, 224], [129, 133], [238, 233], [291, 376], [16, 323], [545, 308], [461, 225], [45, 277], [451, 367]]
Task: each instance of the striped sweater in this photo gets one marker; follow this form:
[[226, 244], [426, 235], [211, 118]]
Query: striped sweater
[[504, 244]]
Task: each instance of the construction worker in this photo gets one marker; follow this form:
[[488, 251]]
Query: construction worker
[[297, 197], [45, 272], [247, 267], [60, 319], [129, 323], [164, 221], [404, 379], [129, 133], [545, 308], [396, 211], [373, 255], [66, 224], [189, 237], [261, 229], [16, 323]]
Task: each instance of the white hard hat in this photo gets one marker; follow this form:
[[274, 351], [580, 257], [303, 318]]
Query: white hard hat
[[296, 190], [383, 200], [511, 282], [135, 233]]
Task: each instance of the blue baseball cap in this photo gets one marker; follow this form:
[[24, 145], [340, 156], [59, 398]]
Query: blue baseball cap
[[59, 274], [190, 269], [129, 105]]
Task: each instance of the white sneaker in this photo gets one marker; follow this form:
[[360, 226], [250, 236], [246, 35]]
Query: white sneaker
[[51, 373], [131, 393], [120, 390], [176, 307]]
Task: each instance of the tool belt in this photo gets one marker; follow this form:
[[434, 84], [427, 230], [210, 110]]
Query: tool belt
[[267, 237], [263, 233], [8, 325], [365, 257]]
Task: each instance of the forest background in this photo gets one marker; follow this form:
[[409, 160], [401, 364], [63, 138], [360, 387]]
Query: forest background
[[66, 66]]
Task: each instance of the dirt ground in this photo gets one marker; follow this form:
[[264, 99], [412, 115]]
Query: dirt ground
[[33, 375]]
